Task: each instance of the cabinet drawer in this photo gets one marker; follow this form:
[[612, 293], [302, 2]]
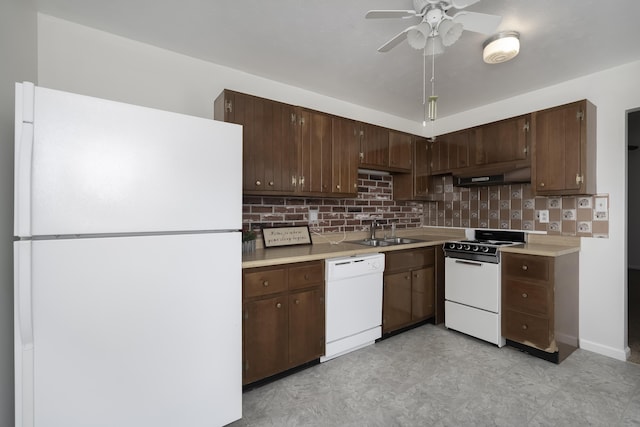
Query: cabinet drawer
[[409, 259], [306, 274], [264, 282], [526, 329], [527, 297], [531, 267]]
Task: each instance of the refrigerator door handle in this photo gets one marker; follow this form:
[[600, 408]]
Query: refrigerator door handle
[[24, 152], [22, 256]]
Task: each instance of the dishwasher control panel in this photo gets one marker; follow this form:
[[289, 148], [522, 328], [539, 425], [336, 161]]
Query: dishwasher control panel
[[358, 265]]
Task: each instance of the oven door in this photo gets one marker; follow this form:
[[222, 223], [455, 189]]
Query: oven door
[[472, 283]]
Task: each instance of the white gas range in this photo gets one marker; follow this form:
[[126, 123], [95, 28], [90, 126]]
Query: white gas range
[[473, 283]]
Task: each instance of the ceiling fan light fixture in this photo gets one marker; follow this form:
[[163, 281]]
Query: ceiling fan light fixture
[[417, 36], [501, 47], [434, 46], [450, 32]]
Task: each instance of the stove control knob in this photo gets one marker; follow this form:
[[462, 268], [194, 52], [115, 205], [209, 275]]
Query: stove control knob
[[475, 248], [485, 249], [452, 245], [467, 247], [459, 246]]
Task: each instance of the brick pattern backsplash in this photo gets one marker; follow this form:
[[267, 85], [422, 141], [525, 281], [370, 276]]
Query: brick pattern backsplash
[[374, 201], [515, 207]]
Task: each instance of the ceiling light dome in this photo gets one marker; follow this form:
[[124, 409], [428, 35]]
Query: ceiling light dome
[[417, 36], [501, 47]]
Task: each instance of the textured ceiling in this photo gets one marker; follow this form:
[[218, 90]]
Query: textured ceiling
[[328, 47]]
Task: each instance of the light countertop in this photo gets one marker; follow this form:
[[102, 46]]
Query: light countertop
[[430, 236]]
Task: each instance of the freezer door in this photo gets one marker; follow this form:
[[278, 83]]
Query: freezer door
[[98, 166], [131, 331]]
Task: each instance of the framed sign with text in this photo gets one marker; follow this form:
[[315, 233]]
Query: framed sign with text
[[286, 236]]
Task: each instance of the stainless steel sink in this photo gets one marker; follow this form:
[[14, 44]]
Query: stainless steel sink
[[373, 242], [402, 240], [386, 242]]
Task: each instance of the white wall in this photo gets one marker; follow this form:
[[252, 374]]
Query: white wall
[[18, 53], [80, 59]]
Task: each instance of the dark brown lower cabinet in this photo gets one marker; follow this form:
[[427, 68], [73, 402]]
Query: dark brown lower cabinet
[[283, 318], [409, 288]]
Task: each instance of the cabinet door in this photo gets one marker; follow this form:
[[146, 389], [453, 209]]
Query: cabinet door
[[503, 141], [270, 142], [450, 151], [265, 337], [306, 326], [421, 169], [396, 305], [439, 155], [422, 294], [374, 146], [400, 150], [560, 144], [315, 152], [345, 156]]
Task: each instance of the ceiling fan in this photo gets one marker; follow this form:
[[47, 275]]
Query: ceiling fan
[[436, 29]]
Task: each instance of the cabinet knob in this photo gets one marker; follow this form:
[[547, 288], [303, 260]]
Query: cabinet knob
[[258, 183], [542, 184], [338, 186], [297, 301], [271, 183], [306, 277], [265, 283], [525, 267], [407, 277], [524, 295], [416, 275], [279, 305], [525, 327]]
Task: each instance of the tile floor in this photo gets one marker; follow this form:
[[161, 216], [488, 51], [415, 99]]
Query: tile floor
[[430, 376]]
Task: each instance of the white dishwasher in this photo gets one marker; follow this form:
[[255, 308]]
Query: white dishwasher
[[353, 303]]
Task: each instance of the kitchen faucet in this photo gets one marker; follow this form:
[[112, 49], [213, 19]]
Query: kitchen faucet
[[372, 229]]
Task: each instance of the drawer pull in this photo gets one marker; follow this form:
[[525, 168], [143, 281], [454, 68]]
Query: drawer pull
[[525, 267], [279, 305], [524, 295], [525, 327], [297, 301], [265, 283]]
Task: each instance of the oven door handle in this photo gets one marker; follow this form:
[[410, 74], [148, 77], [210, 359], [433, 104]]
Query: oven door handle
[[477, 264]]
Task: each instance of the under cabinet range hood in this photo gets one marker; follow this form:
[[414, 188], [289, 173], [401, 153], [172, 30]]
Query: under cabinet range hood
[[513, 176]]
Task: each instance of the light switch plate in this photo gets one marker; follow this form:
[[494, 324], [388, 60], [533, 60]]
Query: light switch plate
[[544, 216], [601, 204]]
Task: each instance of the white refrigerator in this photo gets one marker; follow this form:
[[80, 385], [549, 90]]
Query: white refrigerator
[[127, 259]]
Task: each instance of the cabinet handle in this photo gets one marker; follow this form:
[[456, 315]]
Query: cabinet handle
[[524, 267], [524, 295], [258, 183], [579, 179], [279, 305], [297, 301], [265, 283], [306, 277], [302, 181], [525, 327]]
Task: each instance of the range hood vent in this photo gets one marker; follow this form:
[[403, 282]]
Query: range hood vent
[[514, 176]]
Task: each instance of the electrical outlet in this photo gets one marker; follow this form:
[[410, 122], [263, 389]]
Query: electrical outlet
[[544, 216], [313, 215]]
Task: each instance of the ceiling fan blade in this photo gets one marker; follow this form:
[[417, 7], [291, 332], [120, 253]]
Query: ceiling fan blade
[[396, 40], [478, 22], [461, 4], [382, 14]]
